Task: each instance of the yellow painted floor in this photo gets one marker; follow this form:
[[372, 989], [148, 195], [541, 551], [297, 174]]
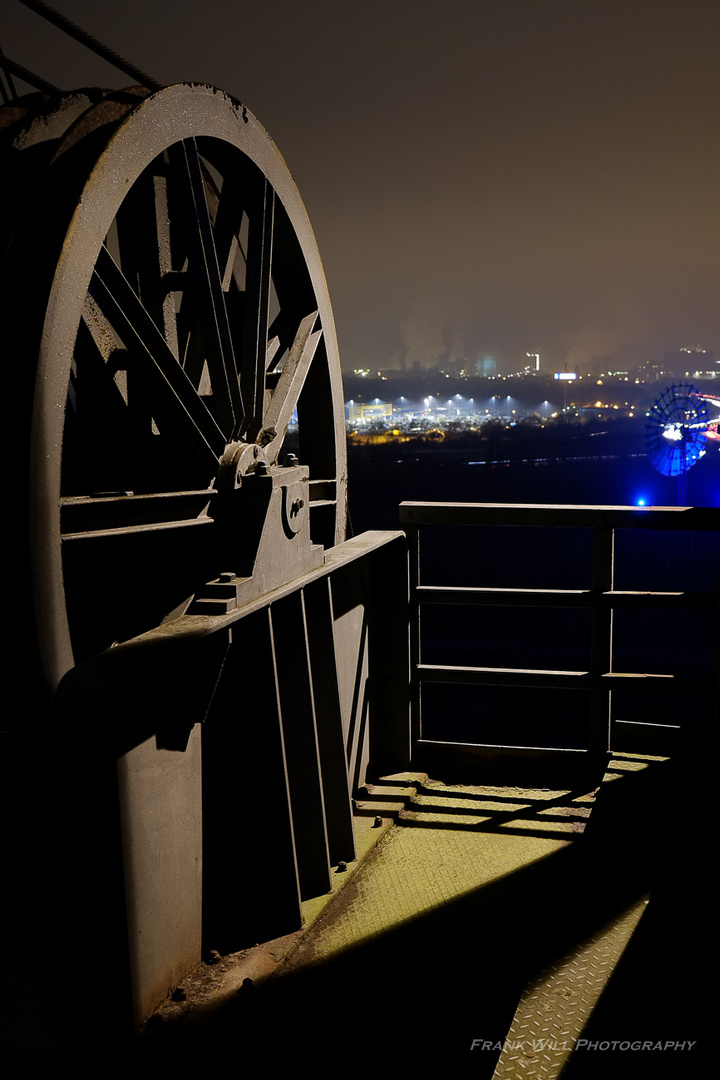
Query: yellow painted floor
[[512, 932]]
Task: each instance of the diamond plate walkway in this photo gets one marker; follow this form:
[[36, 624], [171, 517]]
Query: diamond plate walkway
[[482, 929], [556, 1006]]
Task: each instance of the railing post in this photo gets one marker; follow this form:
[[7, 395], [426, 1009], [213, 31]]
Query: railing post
[[389, 656], [603, 572], [716, 712], [413, 535]]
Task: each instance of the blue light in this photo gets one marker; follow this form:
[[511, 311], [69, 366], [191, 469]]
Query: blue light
[[640, 502]]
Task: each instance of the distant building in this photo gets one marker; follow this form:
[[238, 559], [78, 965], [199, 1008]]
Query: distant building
[[487, 365], [368, 414], [691, 361]]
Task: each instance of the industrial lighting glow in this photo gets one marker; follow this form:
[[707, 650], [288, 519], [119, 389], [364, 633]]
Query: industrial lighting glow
[[566, 375]]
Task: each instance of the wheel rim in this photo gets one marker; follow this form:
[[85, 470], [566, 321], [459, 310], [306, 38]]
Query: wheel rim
[[187, 323]]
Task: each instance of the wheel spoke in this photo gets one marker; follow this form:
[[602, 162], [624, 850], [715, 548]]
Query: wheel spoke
[[174, 393], [143, 234], [257, 306], [287, 392], [208, 282], [116, 513]]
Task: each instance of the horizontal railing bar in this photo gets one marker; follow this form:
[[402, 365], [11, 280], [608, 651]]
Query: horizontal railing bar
[[637, 599], [535, 514], [583, 598], [500, 676], [496, 676], [531, 751], [458, 594], [647, 724]]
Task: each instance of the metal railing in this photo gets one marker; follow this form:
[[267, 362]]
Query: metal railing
[[434, 581]]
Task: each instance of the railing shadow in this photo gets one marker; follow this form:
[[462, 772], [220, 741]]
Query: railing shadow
[[437, 981]]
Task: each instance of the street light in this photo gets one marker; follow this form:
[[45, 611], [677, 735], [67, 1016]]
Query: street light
[[565, 377]]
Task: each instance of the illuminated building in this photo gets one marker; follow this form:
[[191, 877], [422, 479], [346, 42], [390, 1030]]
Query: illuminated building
[[375, 411]]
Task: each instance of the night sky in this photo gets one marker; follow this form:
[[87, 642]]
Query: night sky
[[483, 176]]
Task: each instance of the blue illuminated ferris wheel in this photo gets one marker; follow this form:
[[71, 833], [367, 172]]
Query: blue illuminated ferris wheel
[[677, 427]]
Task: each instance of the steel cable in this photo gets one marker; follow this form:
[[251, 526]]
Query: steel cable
[[80, 35]]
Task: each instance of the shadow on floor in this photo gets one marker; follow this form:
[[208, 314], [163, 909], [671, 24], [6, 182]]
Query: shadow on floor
[[425, 990], [662, 998]]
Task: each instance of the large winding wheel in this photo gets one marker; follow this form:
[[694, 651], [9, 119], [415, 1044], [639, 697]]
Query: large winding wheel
[[204, 673], [177, 351]]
